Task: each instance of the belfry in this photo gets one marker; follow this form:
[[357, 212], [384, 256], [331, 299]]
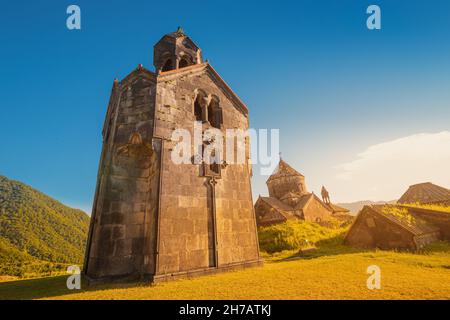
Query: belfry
[[154, 219]]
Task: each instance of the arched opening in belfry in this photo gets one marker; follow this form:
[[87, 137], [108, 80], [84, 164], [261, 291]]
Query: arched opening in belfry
[[198, 110], [167, 65], [215, 113], [183, 63]]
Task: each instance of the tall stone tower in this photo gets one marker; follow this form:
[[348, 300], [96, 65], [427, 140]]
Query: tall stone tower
[[155, 219]]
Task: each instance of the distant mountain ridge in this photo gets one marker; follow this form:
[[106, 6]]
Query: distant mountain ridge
[[355, 207], [35, 227]]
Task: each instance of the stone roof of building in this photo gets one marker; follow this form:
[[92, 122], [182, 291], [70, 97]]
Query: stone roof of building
[[425, 193], [283, 170], [304, 201], [291, 195], [179, 33], [336, 209], [302, 204], [401, 217], [277, 204]]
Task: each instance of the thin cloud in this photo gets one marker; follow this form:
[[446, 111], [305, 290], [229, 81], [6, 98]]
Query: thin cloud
[[385, 170]]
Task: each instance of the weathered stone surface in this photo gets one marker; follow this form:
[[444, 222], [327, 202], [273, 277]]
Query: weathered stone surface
[[376, 227], [151, 216]]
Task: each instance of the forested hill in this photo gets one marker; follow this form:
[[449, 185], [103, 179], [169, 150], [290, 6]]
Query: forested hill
[[35, 226]]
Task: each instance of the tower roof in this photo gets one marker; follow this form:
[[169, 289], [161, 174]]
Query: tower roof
[[179, 33], [175, 50], [284, 170], [425, 193]]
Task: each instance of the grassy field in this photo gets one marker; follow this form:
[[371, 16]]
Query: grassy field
[[335, 272]]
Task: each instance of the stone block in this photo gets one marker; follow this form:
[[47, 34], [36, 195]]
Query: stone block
[[123, 247], [118, 232], [137, 246], [134, 231]]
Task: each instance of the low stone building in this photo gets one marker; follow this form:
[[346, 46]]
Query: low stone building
[[289, 199], [154, 218], [392, 227], [439, 219], [426, 193]]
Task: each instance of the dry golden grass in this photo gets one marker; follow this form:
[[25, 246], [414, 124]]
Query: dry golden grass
[[329, 273]]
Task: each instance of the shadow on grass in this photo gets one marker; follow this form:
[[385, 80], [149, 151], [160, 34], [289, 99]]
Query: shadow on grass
[[327, 247], [335, 246], [49, 287]]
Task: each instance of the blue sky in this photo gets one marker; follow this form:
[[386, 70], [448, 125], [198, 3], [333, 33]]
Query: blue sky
[[310, 68]]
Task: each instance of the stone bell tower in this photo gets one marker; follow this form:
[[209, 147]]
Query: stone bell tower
[[155, 219]]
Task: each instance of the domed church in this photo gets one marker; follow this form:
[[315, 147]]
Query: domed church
[[289, 199]]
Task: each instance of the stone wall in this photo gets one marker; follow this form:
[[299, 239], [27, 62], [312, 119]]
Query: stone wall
[[153, 217], [186, 209], [266, 215], [279, 187], [123, 221], [372, 231], [315, 211], [439, 219]]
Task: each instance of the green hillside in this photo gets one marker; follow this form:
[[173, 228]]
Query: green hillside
[[37, 233]]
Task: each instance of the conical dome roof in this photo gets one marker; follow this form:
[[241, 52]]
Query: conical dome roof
[[284, 170]]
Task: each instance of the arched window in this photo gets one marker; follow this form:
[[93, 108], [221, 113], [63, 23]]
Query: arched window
[[198, 110], [183, 63], [167, 65], [185, 60], [215, 113]]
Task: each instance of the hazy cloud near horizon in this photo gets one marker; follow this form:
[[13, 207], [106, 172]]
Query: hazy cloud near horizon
[[385, 170], [382, 172]]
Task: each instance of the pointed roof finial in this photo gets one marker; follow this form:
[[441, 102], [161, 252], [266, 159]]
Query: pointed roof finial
[[180, 31]]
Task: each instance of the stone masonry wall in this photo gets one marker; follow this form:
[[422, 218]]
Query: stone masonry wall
[[372, 231], [279, 187], [316, 212], [186, 237], [124, 224]]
